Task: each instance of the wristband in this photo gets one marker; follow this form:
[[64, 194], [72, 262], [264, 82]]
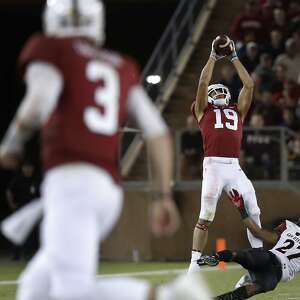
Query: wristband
[[234, 58]]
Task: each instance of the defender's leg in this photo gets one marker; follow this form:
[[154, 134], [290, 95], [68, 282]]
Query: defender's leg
[[241, 293], [35, 280], [251, 259]]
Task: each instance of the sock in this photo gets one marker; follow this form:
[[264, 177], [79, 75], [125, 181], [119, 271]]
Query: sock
[[194, 267], [195, 255], [225, 255]]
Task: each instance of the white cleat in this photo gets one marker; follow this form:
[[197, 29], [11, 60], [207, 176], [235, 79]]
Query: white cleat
[[244, 280]]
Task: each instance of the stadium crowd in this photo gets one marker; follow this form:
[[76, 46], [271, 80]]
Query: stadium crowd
[[267, 38]]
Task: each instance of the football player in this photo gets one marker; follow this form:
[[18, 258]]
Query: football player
[[80, 95], [266, 267], [221, 125]]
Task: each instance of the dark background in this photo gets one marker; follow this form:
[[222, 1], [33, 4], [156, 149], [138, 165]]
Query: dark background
[[133, 27]]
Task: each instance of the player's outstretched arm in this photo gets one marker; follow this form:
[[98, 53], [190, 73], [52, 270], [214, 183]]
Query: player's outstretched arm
[[204, 80], [246, 93], [263, 234]]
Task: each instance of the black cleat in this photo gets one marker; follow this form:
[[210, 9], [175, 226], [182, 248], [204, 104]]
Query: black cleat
[[209, 260]]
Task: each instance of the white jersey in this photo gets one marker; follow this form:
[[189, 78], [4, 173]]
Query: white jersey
[[287, 250]]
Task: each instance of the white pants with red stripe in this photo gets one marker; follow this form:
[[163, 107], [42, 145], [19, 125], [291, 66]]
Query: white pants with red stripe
[[223, 173]]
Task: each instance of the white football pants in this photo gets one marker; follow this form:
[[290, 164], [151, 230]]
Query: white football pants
[[81, 205], [222, 173]]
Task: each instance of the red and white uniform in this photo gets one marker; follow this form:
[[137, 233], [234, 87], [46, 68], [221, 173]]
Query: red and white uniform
[[93, 104], [221, 129], [87, 95]]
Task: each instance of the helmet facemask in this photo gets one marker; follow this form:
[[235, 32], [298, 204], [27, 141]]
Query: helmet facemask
[[75, 18], [218, 95]]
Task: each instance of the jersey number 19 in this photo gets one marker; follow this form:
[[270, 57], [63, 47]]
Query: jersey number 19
[[231, 117]]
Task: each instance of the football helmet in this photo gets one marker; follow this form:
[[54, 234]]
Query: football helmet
[[218, 94], [68, 18]]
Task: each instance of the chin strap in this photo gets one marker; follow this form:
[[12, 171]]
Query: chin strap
[[220, 102]]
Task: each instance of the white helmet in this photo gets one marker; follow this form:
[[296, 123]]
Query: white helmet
[[218, 94], [68, 18]]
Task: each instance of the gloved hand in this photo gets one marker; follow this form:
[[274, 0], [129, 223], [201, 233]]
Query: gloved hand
[[213, 53], [233, 54], [238, 201]]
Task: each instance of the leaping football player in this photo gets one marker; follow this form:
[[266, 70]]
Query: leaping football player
[[221, 125]]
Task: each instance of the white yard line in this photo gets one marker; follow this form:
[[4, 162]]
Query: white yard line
[[142, 274]]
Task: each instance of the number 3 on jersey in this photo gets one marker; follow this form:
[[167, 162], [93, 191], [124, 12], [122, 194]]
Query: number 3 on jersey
[[106, 96], [230, 115]]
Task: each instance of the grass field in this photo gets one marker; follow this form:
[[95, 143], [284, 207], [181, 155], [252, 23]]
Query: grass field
[[218, 280]]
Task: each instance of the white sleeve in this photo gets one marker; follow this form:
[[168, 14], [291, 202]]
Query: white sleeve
[[144, 112], [44, 84]]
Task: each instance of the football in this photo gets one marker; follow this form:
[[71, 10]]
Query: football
[[222, 45]]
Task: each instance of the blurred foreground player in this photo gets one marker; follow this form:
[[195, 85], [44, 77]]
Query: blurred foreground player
[[80, 96], [266, 267], [221, 125], [23, 189]]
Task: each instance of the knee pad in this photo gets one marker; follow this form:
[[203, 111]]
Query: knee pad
[[251, 203], [208, 208], [264, 287], [265, 282]]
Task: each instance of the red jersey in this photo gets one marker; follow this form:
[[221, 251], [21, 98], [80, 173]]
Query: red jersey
[[84, 126], [221, 129]]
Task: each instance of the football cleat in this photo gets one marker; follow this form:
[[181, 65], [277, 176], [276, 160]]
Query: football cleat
[[209, 260], [244, 280]]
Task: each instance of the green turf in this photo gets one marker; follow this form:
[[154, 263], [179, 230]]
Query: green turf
[[219, 281]]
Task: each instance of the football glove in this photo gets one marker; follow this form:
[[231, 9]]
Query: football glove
[[233, 54], [213, 53], [238, 201]]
